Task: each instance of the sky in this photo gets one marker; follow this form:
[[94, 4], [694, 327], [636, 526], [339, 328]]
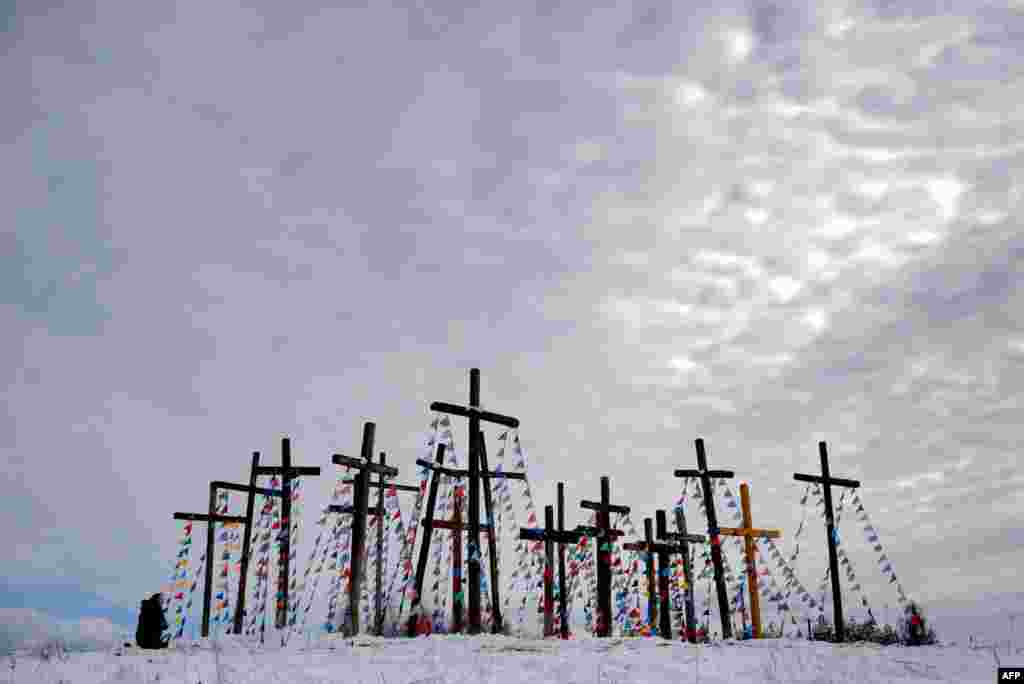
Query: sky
[[764, 224]]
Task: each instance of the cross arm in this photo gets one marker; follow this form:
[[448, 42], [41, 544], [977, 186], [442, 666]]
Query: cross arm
[[294, 470], [486, 416], [741, 532], [453, 472], [724, 474], [504, 476], [599, 532], [349, 509], [651, 548], [206, 517], [681, 537], [388, 485], [452, 525], [231, 486], [598, 506], [557, 536], [818, 479], [376, 468]]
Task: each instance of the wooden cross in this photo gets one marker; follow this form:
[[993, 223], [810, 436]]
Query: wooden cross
[[210, 518], [475, 416], [551, 535], [563, 598], [360, 509], [830, 532], [456, 526], [749, 533], [604, 509], [649, 548], [682, 539], [421, 563], [288, 472], [381, 484], [705, 476]]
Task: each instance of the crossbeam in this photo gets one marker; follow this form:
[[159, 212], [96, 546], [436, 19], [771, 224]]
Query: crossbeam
[[388, 485], [472, 412], [368, 466], [604, 509], [245, 489], [205, 517]]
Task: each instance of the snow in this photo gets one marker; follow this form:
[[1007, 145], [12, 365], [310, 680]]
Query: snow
[[444, 659]]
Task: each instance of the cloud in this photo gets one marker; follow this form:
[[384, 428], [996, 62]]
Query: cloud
[[25, 628]]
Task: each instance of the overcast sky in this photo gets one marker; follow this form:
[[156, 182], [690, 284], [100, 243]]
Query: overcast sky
[[765, 225]]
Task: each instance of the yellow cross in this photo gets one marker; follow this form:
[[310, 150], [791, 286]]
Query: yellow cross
[[749, 533]]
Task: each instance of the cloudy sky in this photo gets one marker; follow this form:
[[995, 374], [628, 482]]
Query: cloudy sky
[[763, 224]]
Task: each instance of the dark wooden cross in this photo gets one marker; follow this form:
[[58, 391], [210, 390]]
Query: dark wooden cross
[[604, 532], [359, 510], [683, 539], [551, 535], [288, 472], [649, 548], [427, 525], [455, 526], [830, 532], [563, 592], [749, 533], [210, 518], [705, 476], [381, 484], [475, 416]]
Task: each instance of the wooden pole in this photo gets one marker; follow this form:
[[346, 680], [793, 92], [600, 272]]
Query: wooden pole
[[457, 594], [492, 546], [691, 611], [664, 569], [378, 628], [286, 536], [474, 503], [563, 613], [652, 585], [250, 505], [361, 501], [428, 526], [549, 566], [210, 536]]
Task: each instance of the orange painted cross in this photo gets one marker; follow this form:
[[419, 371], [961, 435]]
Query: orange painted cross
[[749, 534]]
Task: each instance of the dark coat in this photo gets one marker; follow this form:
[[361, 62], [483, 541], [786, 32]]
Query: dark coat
[[152, 624]]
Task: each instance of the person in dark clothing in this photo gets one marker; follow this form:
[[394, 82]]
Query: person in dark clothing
[[152, 624]]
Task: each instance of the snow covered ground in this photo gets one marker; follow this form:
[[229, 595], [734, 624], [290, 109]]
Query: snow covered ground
[[485, 659]]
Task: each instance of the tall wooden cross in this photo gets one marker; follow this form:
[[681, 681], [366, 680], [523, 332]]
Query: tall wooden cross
[[563, 598], [649, 549], [551, 535], [288, 472], [705, 476], [381, 484], [456, 526], [682, 546], [683, 539], [475, 416], [427, 525], [604, 533], [749, 533], [359, 510], [830, 532], [210, 518]]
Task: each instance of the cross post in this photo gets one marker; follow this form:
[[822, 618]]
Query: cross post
[[288, 472], [381, 484], [682, 546], [563, 612], [705, 476], [683, 538], [551, 535], [360, 509], [649, 548], [210, 519], [475, 416], [604, 532], [828, 481], [749, 533], [421, 563]]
